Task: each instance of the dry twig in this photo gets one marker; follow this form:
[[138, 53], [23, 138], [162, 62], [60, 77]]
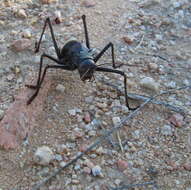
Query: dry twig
[[119, 139], [134, 185], [104, 137]]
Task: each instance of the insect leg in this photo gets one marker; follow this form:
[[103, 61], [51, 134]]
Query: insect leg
[[86, 31], [102, 69], [65, 67], [109, 45], [37, 45]]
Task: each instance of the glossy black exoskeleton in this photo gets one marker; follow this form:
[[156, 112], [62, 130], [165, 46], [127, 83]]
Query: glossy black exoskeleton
[[75, 55]]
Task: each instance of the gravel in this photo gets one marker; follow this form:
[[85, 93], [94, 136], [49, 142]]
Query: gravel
[[152, 40]]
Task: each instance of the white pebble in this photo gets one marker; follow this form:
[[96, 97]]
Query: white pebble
[[21, 13], [96, 171], [149, 83], [171, 84], [166, 130], [72, 112], [60, 88], [43, 155], [116, 121]]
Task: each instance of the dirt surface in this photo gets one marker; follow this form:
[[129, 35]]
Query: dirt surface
[[152, 39]]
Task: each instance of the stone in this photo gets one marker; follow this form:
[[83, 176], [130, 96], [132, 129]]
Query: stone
[[128, 39], [21, 45], [167, 130], [187, 166], [77, 167], [87, 170], [96, 171], [116, 121], [170, 84], [149, 83], [36, 59], [153, 66], [61, 148], [87, 118], [26, 34], [96, 123], [122, 165], [20, 116], [89, 99], [72, 112], [89, 3], [58, 157], [60, 88], [136, 134], [92, 133], [21, 13], [58, 17], [62, 164], [177, 120], [43, 155]]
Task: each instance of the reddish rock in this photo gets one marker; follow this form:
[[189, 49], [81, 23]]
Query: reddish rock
[[87, 118], [128, 40], [122, 165], [187, 166], [83, 148], [173, 165], [87, 170], [176, 120], [88, 3], [19, 119], [78, 134], [20, 45]]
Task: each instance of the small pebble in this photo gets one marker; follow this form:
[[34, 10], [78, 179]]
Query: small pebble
[[60, 88], [96, 123], [72, 112], [116, 121], [58, 17], [58, 157], [171, 84], [89, 3], [128, 39], [43, 155], [21, 45], [92, 133], [36, 59], [87, 170], [77, 167], [21, 13], [87, 118], [149, 83], [136, 134], [117, 181], [167, 130], [153, 66], [26, 34], [89, 99], [122, 165], [177, 120], [62, 164], [96, 171]]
